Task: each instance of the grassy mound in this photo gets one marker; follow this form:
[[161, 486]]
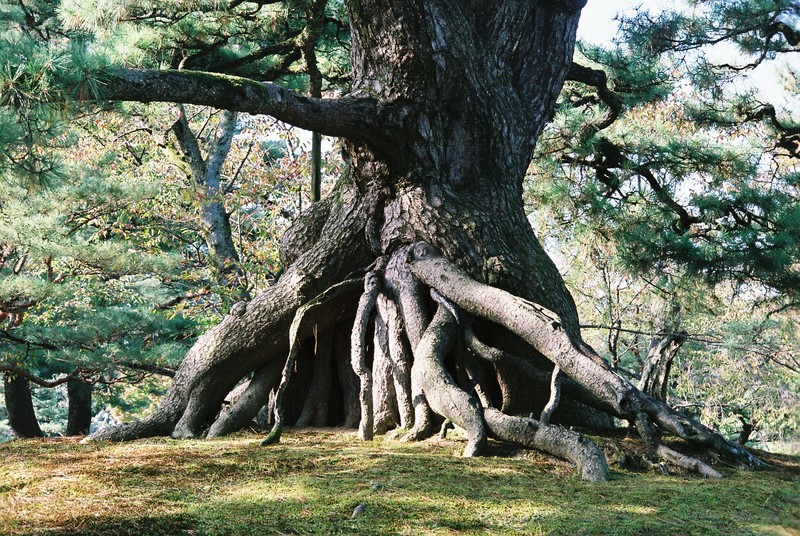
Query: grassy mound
[[313, 481]]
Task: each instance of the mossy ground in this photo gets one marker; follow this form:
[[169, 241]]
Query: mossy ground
[[311, 482]]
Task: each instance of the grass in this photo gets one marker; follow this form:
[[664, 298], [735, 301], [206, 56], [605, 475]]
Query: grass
[[311, 482]]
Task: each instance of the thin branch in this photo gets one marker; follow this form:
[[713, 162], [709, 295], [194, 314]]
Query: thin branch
[[155, 369], [19, 371]]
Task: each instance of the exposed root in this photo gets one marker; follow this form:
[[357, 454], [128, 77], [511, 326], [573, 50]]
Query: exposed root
[[650, 436], [541, 329], [692, 431], [521, 367], [409, 295], [274, 435], [441, 392], [536, 325], [555, 396], [359, 352], [400, 359], [246, 406], [475, 378], [554, 440], [158, 423], [384, 398], [447, 425], [686, 462]]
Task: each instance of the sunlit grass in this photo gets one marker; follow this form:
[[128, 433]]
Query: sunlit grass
[[313, 480]]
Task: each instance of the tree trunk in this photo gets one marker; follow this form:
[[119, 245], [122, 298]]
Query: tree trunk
[[79, 413], [447, 102], [21, 417]]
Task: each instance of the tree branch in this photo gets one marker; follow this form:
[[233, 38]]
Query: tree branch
[[345, 117], [222, 145], [155, 369], [188, 144], [19, 371], [597, 79]]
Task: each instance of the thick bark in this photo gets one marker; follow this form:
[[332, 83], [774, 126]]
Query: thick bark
[[19, 405], [358, 351], [248, 337], [543, 331], [555, 396], [441, 392], [301, 317], [79, 412], [384, 398], [244, 408], [555, 440], [399, 360]]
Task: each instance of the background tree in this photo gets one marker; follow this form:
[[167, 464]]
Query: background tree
[[146, 206]]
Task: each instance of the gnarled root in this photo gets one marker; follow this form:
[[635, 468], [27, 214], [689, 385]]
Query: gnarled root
[[399, 360], [555, 440], [541, 328], [441, 392], [359, 353], [343, 288], [244, 407], [255, 333], [660, 451]]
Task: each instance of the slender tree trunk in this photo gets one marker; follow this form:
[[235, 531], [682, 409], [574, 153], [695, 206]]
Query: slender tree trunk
[[19, 404], [79, 413], [206, 174]]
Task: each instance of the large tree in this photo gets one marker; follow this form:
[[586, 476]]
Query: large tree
[[422, 252]]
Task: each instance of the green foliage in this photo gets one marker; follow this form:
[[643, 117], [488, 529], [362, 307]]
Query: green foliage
[[697, 169], [120, 235], [682, 213]]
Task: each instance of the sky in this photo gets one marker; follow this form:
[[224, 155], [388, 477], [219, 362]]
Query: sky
[[597, 24]]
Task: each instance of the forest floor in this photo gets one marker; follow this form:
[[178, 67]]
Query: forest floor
[[312, 482]]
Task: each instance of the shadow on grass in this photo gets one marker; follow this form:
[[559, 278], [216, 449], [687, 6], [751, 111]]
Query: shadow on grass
[[126, 526]]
